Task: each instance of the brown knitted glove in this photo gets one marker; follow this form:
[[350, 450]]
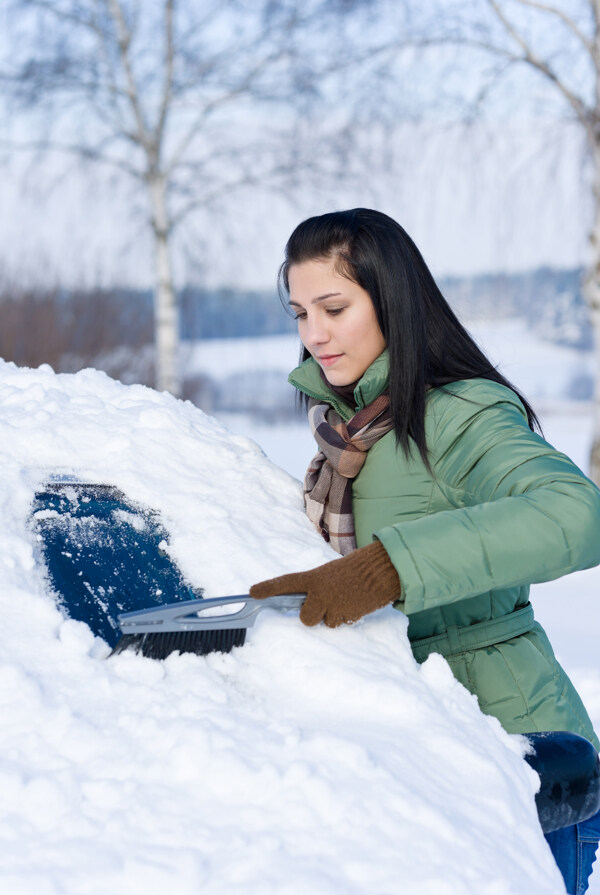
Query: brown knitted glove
[[342, 590]]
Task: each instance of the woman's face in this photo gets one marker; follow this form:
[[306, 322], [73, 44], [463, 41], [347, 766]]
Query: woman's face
[[336, 320]]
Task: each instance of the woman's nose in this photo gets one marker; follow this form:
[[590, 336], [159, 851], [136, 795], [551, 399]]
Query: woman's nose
[[316, 331]]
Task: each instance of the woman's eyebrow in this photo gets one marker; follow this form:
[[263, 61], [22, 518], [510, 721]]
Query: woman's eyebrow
[[315, 300]]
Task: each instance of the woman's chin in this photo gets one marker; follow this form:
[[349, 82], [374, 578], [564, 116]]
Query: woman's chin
[[337, 379]]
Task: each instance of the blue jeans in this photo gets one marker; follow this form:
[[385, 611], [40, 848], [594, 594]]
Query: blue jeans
[[574, 850]]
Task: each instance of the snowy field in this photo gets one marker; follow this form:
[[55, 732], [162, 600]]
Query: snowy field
[[307, 761]]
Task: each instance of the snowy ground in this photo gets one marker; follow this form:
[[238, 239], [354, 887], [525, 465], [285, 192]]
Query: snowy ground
[[308, 761]]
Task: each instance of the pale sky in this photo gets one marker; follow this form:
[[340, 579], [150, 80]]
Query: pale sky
[[505, 200]]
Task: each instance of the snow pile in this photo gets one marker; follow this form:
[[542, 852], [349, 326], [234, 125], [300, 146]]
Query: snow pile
[[308, 761]]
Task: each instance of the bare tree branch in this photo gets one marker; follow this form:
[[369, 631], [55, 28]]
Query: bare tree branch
[[72, 16], [219, 101], [89, 153], [577, 104], [565, 19], [113, 88], [168, 80], [124, 40]]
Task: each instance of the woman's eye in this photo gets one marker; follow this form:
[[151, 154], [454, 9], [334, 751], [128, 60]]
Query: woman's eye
[[333, 312]]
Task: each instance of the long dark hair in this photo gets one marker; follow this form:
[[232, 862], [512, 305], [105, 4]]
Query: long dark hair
[[428, 346]]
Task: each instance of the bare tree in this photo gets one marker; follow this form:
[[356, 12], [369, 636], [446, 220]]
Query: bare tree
[[559, 43], [188, 100]]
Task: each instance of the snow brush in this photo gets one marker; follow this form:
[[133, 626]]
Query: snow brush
[[108, 565], [196, 626]]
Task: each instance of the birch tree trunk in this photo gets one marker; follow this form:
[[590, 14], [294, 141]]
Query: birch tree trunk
[[591, 289], [592, 296], [584, 38], [166, 316]]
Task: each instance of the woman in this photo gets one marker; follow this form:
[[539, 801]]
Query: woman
[[431, 483]]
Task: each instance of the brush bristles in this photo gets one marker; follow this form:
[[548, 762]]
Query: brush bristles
[[159, 646]]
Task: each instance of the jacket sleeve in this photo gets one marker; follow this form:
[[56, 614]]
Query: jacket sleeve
[[524, 512]]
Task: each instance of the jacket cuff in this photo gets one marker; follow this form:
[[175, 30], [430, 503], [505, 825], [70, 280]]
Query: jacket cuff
[[413, 586]]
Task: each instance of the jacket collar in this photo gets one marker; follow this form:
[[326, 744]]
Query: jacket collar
[[306, 378]]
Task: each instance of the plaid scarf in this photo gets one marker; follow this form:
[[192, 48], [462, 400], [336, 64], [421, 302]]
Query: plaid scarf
[[343, 450]]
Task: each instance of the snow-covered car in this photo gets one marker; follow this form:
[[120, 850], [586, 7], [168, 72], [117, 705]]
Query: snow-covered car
[[307, 760]]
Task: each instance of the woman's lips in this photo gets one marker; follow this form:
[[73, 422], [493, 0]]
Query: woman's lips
[[326, 360]]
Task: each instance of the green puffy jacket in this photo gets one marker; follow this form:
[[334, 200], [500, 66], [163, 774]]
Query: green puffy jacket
[[502, 510]]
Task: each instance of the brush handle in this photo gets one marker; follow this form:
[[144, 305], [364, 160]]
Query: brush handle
[[203, 615]]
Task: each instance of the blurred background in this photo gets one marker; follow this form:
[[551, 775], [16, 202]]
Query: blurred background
[[156, 154]]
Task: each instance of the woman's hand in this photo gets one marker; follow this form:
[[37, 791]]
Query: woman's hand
[[342, 590]]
